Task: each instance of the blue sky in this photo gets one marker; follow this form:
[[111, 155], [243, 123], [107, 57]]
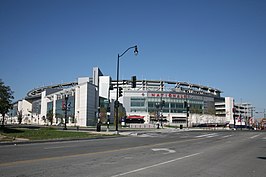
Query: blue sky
[[217, 43]]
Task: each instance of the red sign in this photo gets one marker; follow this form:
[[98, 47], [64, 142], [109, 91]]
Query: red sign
[[63, 105], [168, 95], [135, 117]]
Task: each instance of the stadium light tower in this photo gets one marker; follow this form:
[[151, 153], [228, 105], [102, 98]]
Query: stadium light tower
[[117, 78]]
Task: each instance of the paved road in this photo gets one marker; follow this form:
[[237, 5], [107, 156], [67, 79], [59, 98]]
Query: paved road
[[154, 154]]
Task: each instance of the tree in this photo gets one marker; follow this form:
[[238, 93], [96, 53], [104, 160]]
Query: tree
[[210, 111], [6, 96], [50, 116], [195, 110], [20, 116], [103, 114]]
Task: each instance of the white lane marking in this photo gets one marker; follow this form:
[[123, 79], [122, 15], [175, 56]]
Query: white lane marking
[[168, 151], [208, 135], [254, 136], [155, 165], [227, 136]]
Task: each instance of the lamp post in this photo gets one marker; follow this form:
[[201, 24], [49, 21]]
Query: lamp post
[[234, 117], [159, 112], [186, 105], [157, 105], [66, 99], [117, 78]]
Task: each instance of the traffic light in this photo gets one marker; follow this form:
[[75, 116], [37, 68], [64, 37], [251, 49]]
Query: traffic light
[[116, 104], [133, 82], [185, 104], [162, 103], [111, 87], [120, 91]]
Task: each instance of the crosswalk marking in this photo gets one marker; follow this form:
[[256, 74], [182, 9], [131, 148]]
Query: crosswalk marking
[[208, 135], [254, 136], [227, 136]]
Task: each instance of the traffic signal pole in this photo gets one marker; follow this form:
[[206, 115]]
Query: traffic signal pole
[[116, 101]]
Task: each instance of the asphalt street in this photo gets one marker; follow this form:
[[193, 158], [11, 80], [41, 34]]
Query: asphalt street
[[147, 154]]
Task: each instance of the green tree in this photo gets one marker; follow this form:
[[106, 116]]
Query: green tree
[[6, 96]]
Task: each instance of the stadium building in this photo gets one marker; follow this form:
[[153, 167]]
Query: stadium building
[[91, 99], [167, 101]]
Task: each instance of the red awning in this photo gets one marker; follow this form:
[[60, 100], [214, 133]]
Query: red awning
[[135, 117]]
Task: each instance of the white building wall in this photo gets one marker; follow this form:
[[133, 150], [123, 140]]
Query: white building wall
[[77, 106], [86, 104], [229, 105], [104, 84], [27, 116], [81, 102], [96, 72], [43, 104], [54, 106], [26, 108], [82, 80]]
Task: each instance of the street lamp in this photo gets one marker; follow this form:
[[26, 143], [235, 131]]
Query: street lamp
[[186, 105], [65, 109], [117, 78]]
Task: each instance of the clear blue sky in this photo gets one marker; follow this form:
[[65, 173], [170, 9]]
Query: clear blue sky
[[217, 43]]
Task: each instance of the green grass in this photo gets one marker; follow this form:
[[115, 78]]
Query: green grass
[[42, 134]]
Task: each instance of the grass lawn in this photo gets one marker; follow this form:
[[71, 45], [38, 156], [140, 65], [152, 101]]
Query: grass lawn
[[9, 134]]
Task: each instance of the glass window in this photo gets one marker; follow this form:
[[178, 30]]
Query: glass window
[[137, 102], [60, 112]]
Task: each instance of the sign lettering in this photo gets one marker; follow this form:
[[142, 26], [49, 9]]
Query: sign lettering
[[167, 95]]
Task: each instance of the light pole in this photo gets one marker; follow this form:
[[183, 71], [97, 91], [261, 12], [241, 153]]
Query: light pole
[[186, 105], [66, 99], [117, 78]]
